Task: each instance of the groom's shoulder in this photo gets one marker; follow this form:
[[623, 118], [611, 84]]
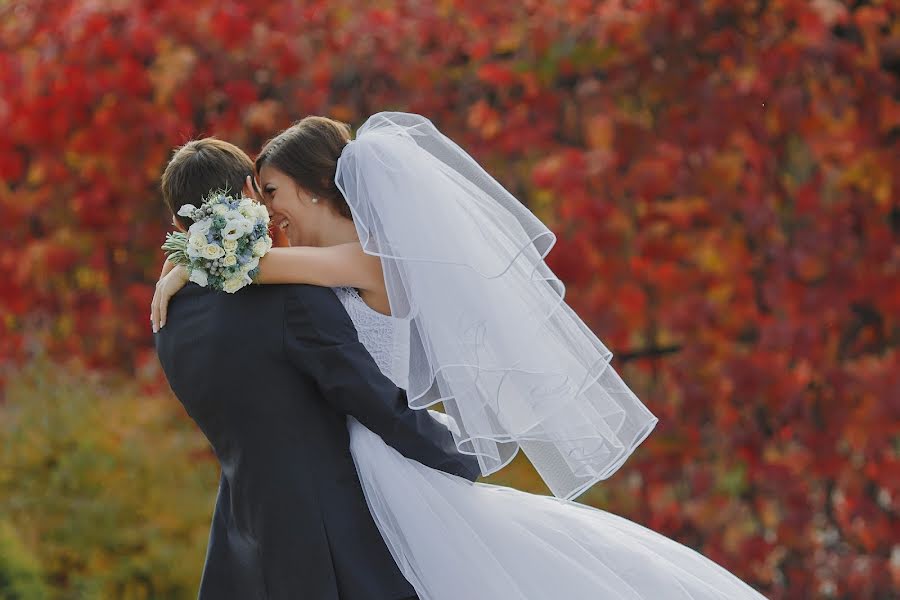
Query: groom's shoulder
[[276, 297], [193, 297], [309, 293]]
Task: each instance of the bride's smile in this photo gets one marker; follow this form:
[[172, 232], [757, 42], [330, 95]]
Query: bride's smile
[[290, 206], [305, 218]]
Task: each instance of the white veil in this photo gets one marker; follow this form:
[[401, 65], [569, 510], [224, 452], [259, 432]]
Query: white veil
[[484, 328]]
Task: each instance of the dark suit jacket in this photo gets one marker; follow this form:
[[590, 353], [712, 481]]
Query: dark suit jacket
[[269, 374]]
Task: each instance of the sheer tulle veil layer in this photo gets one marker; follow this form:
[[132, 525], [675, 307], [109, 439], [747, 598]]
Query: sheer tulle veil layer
[[484, 328]]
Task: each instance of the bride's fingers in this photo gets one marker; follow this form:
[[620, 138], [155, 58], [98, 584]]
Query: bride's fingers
[[154, 310], [163, 308]]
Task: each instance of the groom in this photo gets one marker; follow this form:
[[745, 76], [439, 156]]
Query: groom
[[269, 374]]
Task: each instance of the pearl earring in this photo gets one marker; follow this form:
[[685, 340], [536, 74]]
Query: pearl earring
[[315, 200]]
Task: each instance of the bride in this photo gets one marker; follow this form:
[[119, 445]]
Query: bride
[[442, 271]]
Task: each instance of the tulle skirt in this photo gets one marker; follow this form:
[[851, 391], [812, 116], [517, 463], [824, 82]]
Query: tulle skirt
[[458, 540]]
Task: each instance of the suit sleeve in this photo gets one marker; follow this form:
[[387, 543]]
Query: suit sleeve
[[321, 341]]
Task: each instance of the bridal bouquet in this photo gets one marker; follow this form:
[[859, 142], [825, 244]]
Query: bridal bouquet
[[223, 247]]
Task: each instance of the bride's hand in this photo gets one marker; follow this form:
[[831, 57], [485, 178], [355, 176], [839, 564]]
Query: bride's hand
[[166, 287]]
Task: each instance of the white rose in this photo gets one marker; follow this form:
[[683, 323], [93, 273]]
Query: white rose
[[213, 251], [260, 247], [200, 277], [196, 244], [230, 245], [247, 208], [234, 284], [187, 210], [220, 209], [233, 215], [229, 261], [262, 213]]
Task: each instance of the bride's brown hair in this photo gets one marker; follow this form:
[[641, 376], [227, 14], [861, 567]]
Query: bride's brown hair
[[308, 152]]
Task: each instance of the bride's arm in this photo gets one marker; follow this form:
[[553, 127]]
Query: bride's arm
[[329, 266], [167, 267]]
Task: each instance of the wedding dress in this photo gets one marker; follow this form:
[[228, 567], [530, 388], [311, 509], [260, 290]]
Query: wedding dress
[[458, 540]]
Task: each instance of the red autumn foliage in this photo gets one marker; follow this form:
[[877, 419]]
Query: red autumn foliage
[[721, 174]]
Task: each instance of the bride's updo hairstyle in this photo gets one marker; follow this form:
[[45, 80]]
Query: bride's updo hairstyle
[[308, 152]]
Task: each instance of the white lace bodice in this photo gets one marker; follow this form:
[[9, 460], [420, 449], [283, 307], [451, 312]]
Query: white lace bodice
[[379, 333]]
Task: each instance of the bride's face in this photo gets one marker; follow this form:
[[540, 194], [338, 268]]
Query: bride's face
[[290, 207]]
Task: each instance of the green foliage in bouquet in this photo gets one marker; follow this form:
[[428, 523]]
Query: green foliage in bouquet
[[175, 248]]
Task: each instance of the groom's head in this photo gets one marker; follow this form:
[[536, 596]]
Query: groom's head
[[200, 167]]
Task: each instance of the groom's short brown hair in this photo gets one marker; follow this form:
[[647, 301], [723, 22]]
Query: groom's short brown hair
[[200, 167]]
